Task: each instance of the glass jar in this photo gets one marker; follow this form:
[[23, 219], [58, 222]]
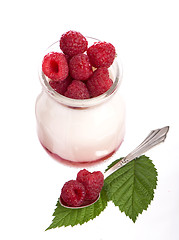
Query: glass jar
[[81, 130]]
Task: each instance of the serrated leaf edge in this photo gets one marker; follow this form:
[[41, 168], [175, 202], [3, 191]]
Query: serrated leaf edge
[[102, 203], [153, 190]]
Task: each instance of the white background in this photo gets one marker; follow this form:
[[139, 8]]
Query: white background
[[145, 34]]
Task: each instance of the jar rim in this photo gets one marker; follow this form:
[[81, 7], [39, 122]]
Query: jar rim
[[81, 103]]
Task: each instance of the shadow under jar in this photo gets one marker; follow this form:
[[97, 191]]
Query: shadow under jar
[[81, 131]]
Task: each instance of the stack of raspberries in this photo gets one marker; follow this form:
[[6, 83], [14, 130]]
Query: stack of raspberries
[[77, 71], [84, 190]]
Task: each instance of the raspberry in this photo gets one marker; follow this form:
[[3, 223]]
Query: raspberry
[[82, 175], [67, 58], [93, 183], [77, 90], [101, 54], [99, 82], [61, 86], [72, 43], [55, 66], [73, 193], [80, 67]]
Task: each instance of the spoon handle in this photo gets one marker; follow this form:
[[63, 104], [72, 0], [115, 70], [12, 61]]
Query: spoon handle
[[154, 138]]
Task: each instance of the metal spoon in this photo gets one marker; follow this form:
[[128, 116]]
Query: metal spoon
[[154, 138]]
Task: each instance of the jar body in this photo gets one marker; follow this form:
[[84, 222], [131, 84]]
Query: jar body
[[81, 130], [80, 134]]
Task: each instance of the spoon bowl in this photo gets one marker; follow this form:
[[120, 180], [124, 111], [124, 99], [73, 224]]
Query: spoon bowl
[[78, 207]]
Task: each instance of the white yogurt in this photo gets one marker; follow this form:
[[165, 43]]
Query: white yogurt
[[80, 135]]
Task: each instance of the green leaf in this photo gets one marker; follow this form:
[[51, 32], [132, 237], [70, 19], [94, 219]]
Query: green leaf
[[66, 216], [131, 187]]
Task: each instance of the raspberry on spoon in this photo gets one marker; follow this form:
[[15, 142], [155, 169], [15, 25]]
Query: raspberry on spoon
[[93, 183], [73, 193], [82, 174]]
